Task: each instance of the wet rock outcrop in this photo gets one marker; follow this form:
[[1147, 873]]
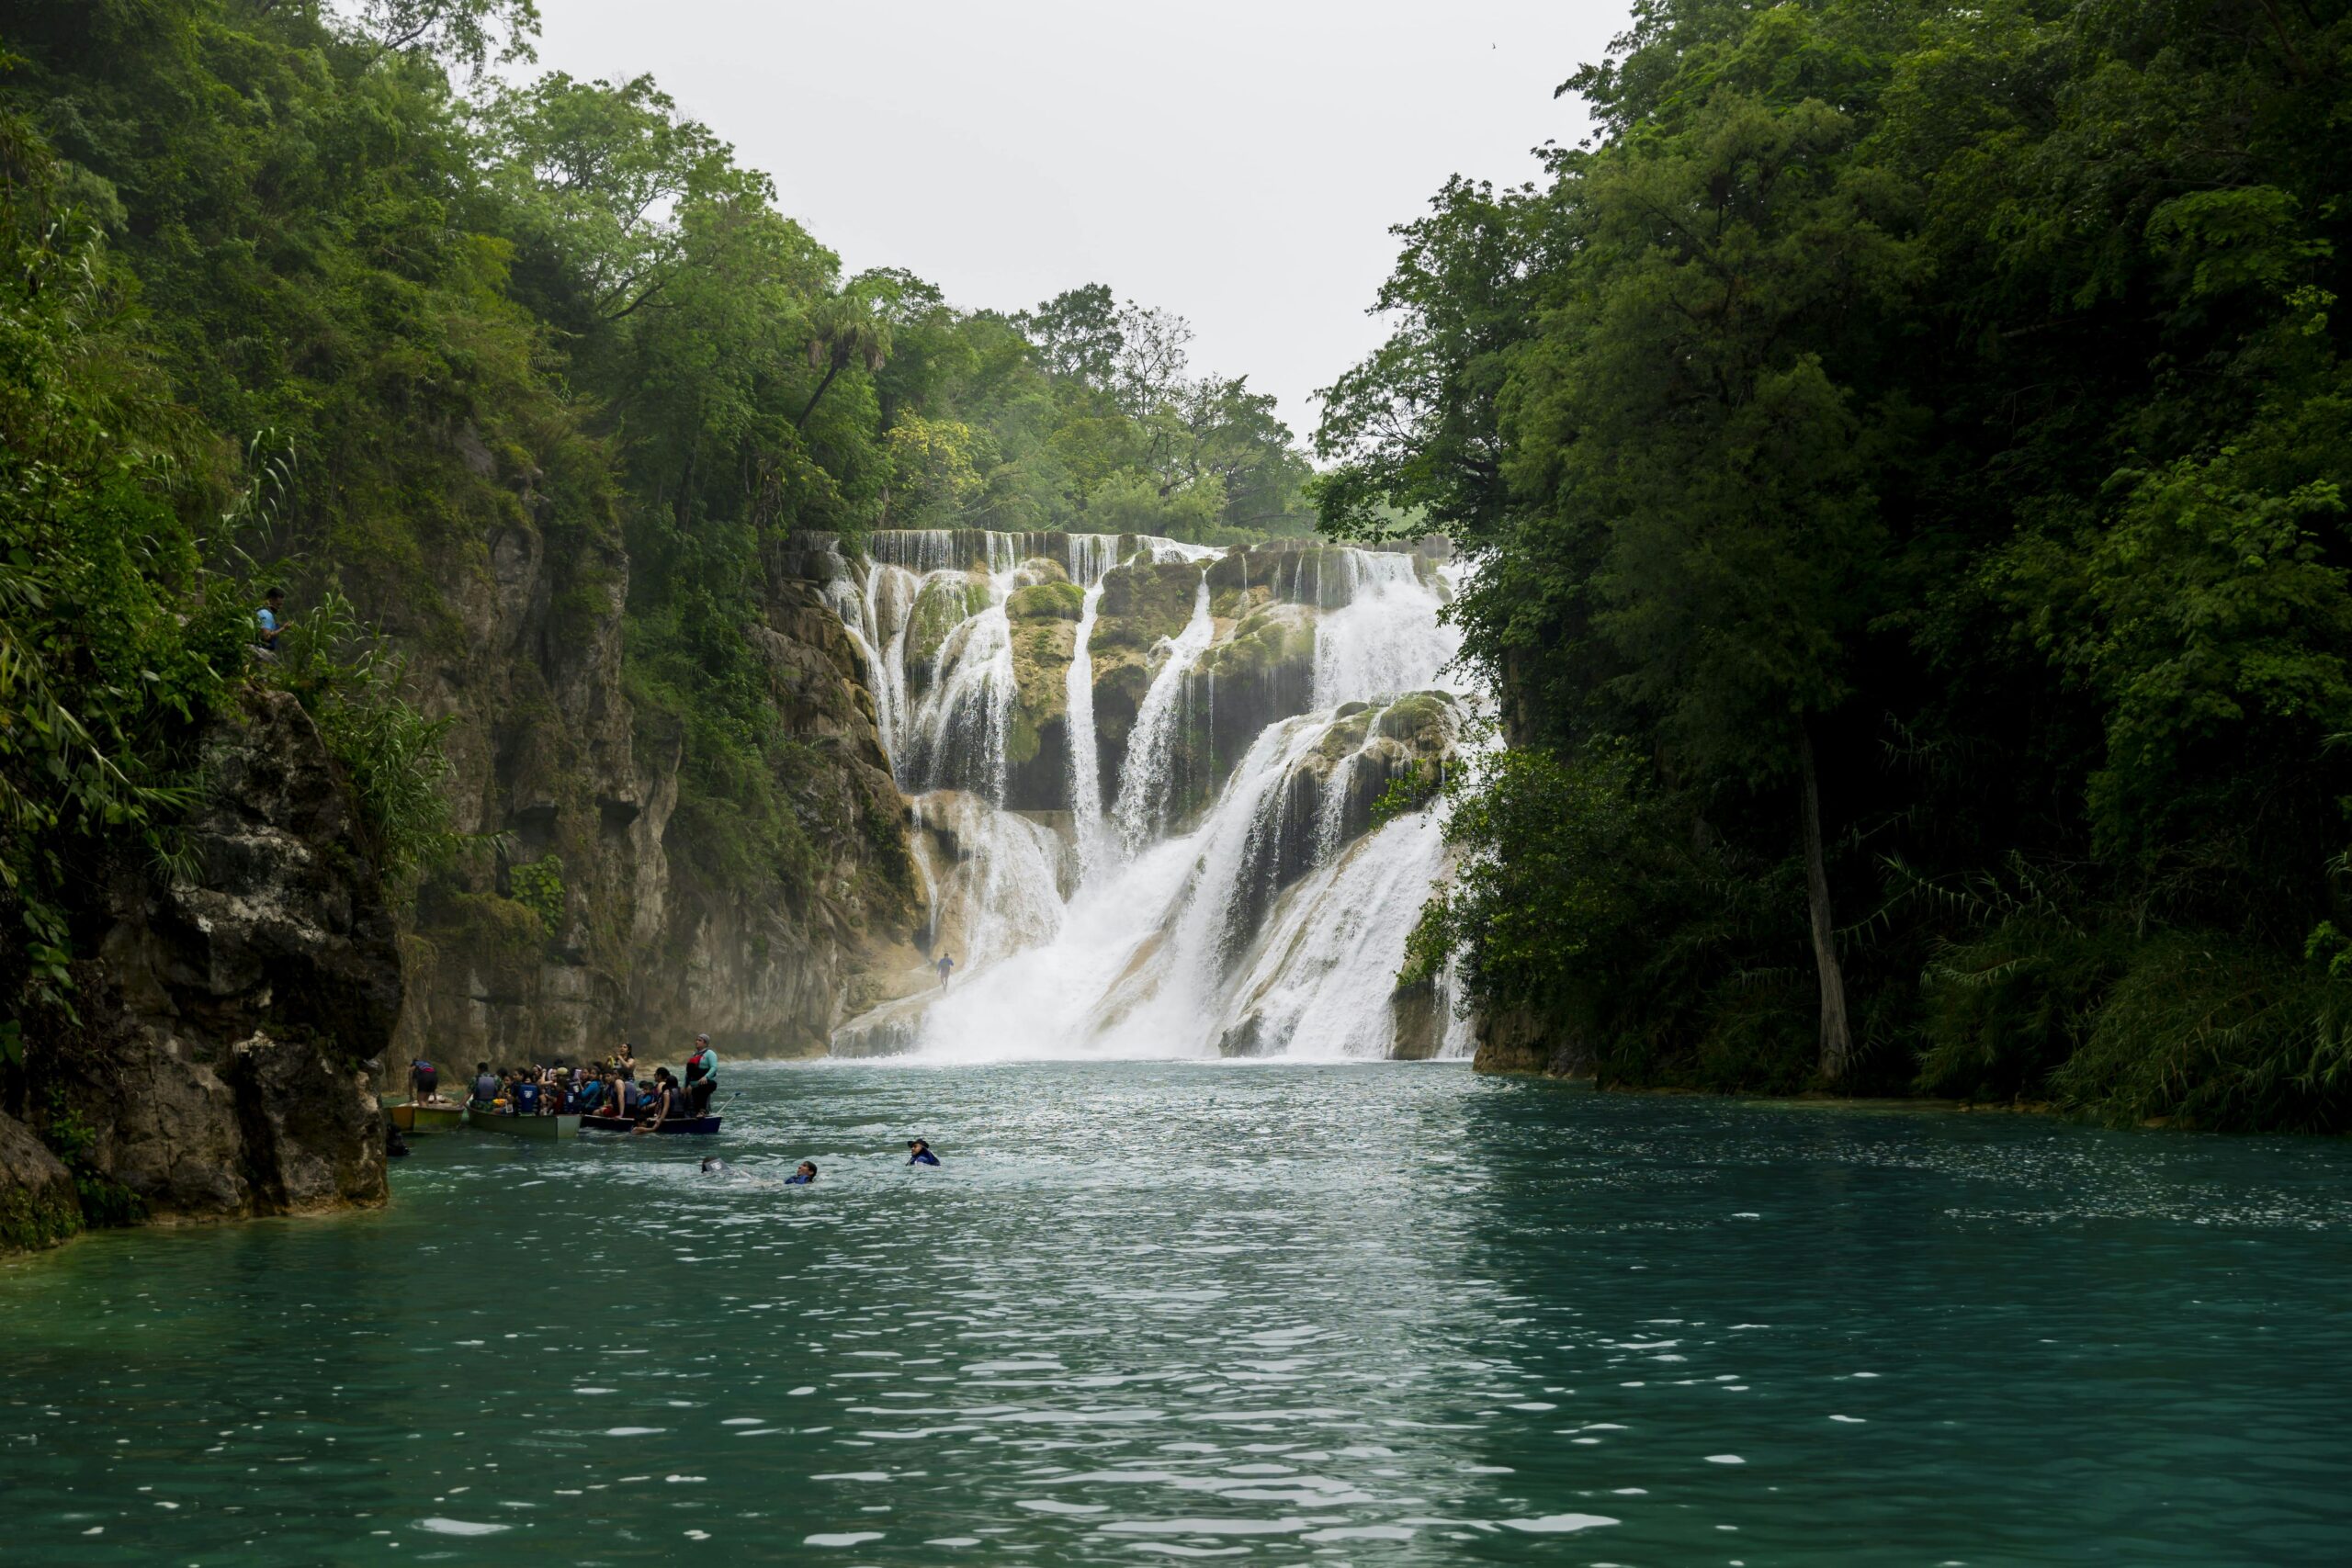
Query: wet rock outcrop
[[241, 1002], [38, 1204], [1520, 1043]]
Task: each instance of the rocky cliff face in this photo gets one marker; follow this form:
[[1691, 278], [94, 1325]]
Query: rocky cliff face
[[599, 913], [241, 1002]]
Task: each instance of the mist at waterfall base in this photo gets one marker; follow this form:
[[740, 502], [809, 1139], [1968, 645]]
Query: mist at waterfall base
[[1136, 932]]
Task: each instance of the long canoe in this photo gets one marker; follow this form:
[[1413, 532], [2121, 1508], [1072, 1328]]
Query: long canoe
[[490, 1117], [695, 1124]]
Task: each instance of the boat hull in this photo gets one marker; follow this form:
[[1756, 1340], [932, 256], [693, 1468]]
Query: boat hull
[[491, 1120], [414, 1119], [697, 1126]]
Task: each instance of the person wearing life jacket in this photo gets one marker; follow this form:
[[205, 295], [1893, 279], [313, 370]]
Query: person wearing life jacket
[[919, 1152], [702, 1076], [663, 1101], [804, 1177], [485, 1083]]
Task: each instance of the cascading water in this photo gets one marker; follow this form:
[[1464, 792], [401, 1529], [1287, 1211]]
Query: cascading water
[[1085, 767], [1254, 908], [1144, 784]]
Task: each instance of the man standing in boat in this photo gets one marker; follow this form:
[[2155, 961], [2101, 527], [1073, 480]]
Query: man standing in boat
[[702, 1076]]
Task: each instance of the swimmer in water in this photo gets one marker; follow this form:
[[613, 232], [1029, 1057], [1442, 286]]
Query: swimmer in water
[[806, 1175], [713, 1165], [918, 1153]]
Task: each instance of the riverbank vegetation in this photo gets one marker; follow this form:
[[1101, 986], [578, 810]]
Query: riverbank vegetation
[[1903, 453], [310, 292]]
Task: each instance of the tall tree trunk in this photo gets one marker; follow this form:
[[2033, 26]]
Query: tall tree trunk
[[818, 393], [1837, 1038]]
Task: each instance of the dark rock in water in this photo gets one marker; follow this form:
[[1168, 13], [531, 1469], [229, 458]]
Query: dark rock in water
[[1249, 1038], [37, 1207], [1416, 1018], [1519, 1042], [240, 1003]]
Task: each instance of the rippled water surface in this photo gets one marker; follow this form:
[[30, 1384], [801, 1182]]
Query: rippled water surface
[[1372, 1314]]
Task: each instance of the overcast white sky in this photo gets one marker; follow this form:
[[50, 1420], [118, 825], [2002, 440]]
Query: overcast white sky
[[1238, 163]]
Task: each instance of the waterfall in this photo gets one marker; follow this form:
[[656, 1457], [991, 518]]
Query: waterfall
[[958, 729], [1321, 979], [1144, 783], [1276, 922], [1089, 556], [1085, 764], [1381, 635]]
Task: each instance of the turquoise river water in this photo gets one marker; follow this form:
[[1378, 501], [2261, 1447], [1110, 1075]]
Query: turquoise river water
[[1377, 1314]]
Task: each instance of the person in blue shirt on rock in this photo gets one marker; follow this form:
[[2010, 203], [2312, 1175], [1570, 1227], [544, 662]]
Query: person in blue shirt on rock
[[266, 624], [919, 1152]]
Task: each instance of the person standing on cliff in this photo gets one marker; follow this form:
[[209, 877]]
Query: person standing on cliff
[[946, 967]]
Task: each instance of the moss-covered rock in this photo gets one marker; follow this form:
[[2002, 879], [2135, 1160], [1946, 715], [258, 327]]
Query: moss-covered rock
[[1427, 722], [38, 1205], [941, 604], [1144, 602], [1267, 638], [1061, 600], [1036, 745]]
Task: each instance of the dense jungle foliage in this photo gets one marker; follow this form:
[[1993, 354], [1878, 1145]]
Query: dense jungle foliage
[[1903, 451], [296, 290]]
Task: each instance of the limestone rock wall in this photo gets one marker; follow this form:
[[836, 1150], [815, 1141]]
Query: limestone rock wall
[[596, 908], [241, 1003]]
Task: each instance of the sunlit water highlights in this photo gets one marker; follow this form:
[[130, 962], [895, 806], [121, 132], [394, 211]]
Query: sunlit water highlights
[[1367, 1313]]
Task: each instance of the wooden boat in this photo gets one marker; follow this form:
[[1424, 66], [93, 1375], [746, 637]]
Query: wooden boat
[[411, 1117], [493, 1118], [697, 1125]]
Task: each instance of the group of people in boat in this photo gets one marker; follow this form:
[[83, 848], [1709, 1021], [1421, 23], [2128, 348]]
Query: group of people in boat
[[611, 1087]]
